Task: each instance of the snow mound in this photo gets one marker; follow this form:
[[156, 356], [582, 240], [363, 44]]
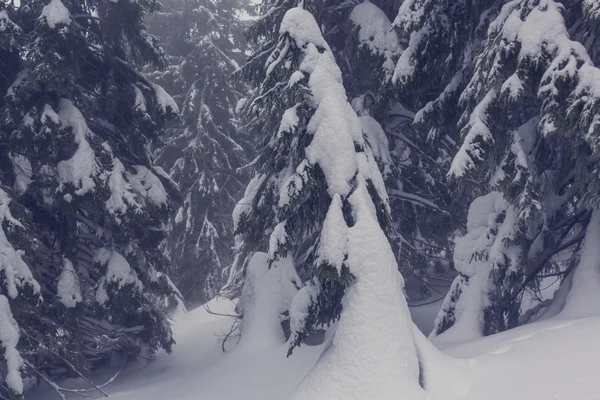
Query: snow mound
[[55, 13], [372, 355], [266, 295]]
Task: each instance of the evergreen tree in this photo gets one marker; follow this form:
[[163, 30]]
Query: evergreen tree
[[202, 152], [319, 198], [366, 49], [78, 122], [524, 100]]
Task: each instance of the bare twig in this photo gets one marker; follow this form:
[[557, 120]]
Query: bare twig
[[48, 381], [426, 304]]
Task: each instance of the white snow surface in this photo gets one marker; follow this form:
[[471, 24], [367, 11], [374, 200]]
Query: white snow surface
[[23, 172], [554, 359], [55, 13], [9, 337]]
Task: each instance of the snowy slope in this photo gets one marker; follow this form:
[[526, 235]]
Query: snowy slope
[[198, 368], [551, 360]]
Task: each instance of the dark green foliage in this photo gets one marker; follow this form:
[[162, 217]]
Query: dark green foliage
[[77, 124]]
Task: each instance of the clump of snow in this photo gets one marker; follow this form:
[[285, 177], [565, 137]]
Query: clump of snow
[[289, 120], [378, 142], [278, 237], [300, 305], [240, 105], [293, 185], [332, 125], [475, 133], [121, 195], [375, 32], [55, 13], [81, 169], [148, 185], [164, 100], [68, 290], [9, 338], [373, 355], [405, 65], [296, 77], [266, 295], [23, 172], [49, 114], [118, 271], [484, 208], [245, 204], [301, 25]]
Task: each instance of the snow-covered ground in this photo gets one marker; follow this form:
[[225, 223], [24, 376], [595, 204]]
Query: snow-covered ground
[[556, 359]]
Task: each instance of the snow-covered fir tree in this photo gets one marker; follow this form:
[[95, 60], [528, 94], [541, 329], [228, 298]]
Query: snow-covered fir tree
[[524, 99], [366, 48], [319, 199], [82, 201], [203, 151], [423, 214]]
